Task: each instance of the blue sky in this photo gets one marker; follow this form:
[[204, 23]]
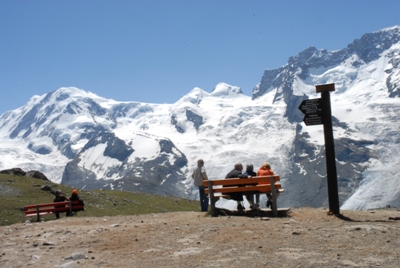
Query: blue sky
[[158, 51]]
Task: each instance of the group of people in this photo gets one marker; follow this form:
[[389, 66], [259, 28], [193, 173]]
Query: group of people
[[60, 197], [199, 174]]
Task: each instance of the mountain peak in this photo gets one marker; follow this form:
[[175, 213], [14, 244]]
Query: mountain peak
[[68, 92], [223, 89], [194, 96]]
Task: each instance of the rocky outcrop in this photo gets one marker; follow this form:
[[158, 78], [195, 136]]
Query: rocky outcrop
[[30, 174]]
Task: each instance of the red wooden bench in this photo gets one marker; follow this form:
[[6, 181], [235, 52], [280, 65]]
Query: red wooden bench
[[49, 208]]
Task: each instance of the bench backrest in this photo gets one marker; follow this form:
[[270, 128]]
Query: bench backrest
[[252, 185], [243, 181]]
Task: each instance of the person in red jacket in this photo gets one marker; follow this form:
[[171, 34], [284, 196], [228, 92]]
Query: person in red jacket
[[265, 170], [75, 197]]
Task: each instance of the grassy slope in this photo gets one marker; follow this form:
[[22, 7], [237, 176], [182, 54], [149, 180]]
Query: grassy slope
[[17, 192]]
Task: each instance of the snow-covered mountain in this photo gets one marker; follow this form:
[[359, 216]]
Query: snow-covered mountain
[[83, 140]]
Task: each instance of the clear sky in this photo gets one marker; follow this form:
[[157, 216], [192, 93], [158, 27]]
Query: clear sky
[[158, 51]]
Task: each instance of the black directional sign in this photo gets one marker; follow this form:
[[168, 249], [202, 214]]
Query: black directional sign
[[313, 111], [312, 119]]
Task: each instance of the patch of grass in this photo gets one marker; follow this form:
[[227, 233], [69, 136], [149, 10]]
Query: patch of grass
[[17, 192]]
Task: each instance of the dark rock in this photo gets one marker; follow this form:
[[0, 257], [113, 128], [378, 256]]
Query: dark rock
[[36, 174], [13, 171]]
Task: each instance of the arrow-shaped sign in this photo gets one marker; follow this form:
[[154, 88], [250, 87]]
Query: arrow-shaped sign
[[312, 109], [311, 106]]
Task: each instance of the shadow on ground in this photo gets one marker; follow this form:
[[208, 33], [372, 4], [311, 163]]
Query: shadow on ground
[[252, 213]]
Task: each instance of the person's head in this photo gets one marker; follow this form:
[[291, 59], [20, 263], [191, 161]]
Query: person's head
[[249, 167], [239, 166], [58, 192], [200, 162], [74, 191], [266, 165]]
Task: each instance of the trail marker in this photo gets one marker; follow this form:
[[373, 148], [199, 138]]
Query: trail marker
[[318, 111]]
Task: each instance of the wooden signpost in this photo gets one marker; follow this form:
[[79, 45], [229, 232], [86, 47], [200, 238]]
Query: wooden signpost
[[317, 112]]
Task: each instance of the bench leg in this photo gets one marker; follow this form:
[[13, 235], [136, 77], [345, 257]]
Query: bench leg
[[273, 192], [38, 213], [213, 211]]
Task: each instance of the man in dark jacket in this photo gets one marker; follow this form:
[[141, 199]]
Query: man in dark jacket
[[250, 197], [237, 173], [60, 197]]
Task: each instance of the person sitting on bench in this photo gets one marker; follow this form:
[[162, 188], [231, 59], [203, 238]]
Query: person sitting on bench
[[60, 197], [250, 197], [75, 197], [265, 170], [238, 197]]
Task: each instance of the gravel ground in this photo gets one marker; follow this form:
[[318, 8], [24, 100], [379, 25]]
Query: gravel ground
[[305, 237]]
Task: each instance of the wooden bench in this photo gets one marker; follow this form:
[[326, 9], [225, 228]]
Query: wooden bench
[[49, 208], [256, 185]]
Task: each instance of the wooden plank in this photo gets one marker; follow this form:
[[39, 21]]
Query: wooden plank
[[256, 188], [243, 181], [74, 203], [35, 214], [54, 209], [265, 188], [48, 204]]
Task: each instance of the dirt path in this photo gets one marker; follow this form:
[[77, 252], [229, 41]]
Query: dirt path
[[306, 237]]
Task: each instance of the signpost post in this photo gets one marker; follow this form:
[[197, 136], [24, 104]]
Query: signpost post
[[318, 111]]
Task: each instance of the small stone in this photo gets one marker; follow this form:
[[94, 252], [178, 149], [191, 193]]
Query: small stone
[[76, 256]]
